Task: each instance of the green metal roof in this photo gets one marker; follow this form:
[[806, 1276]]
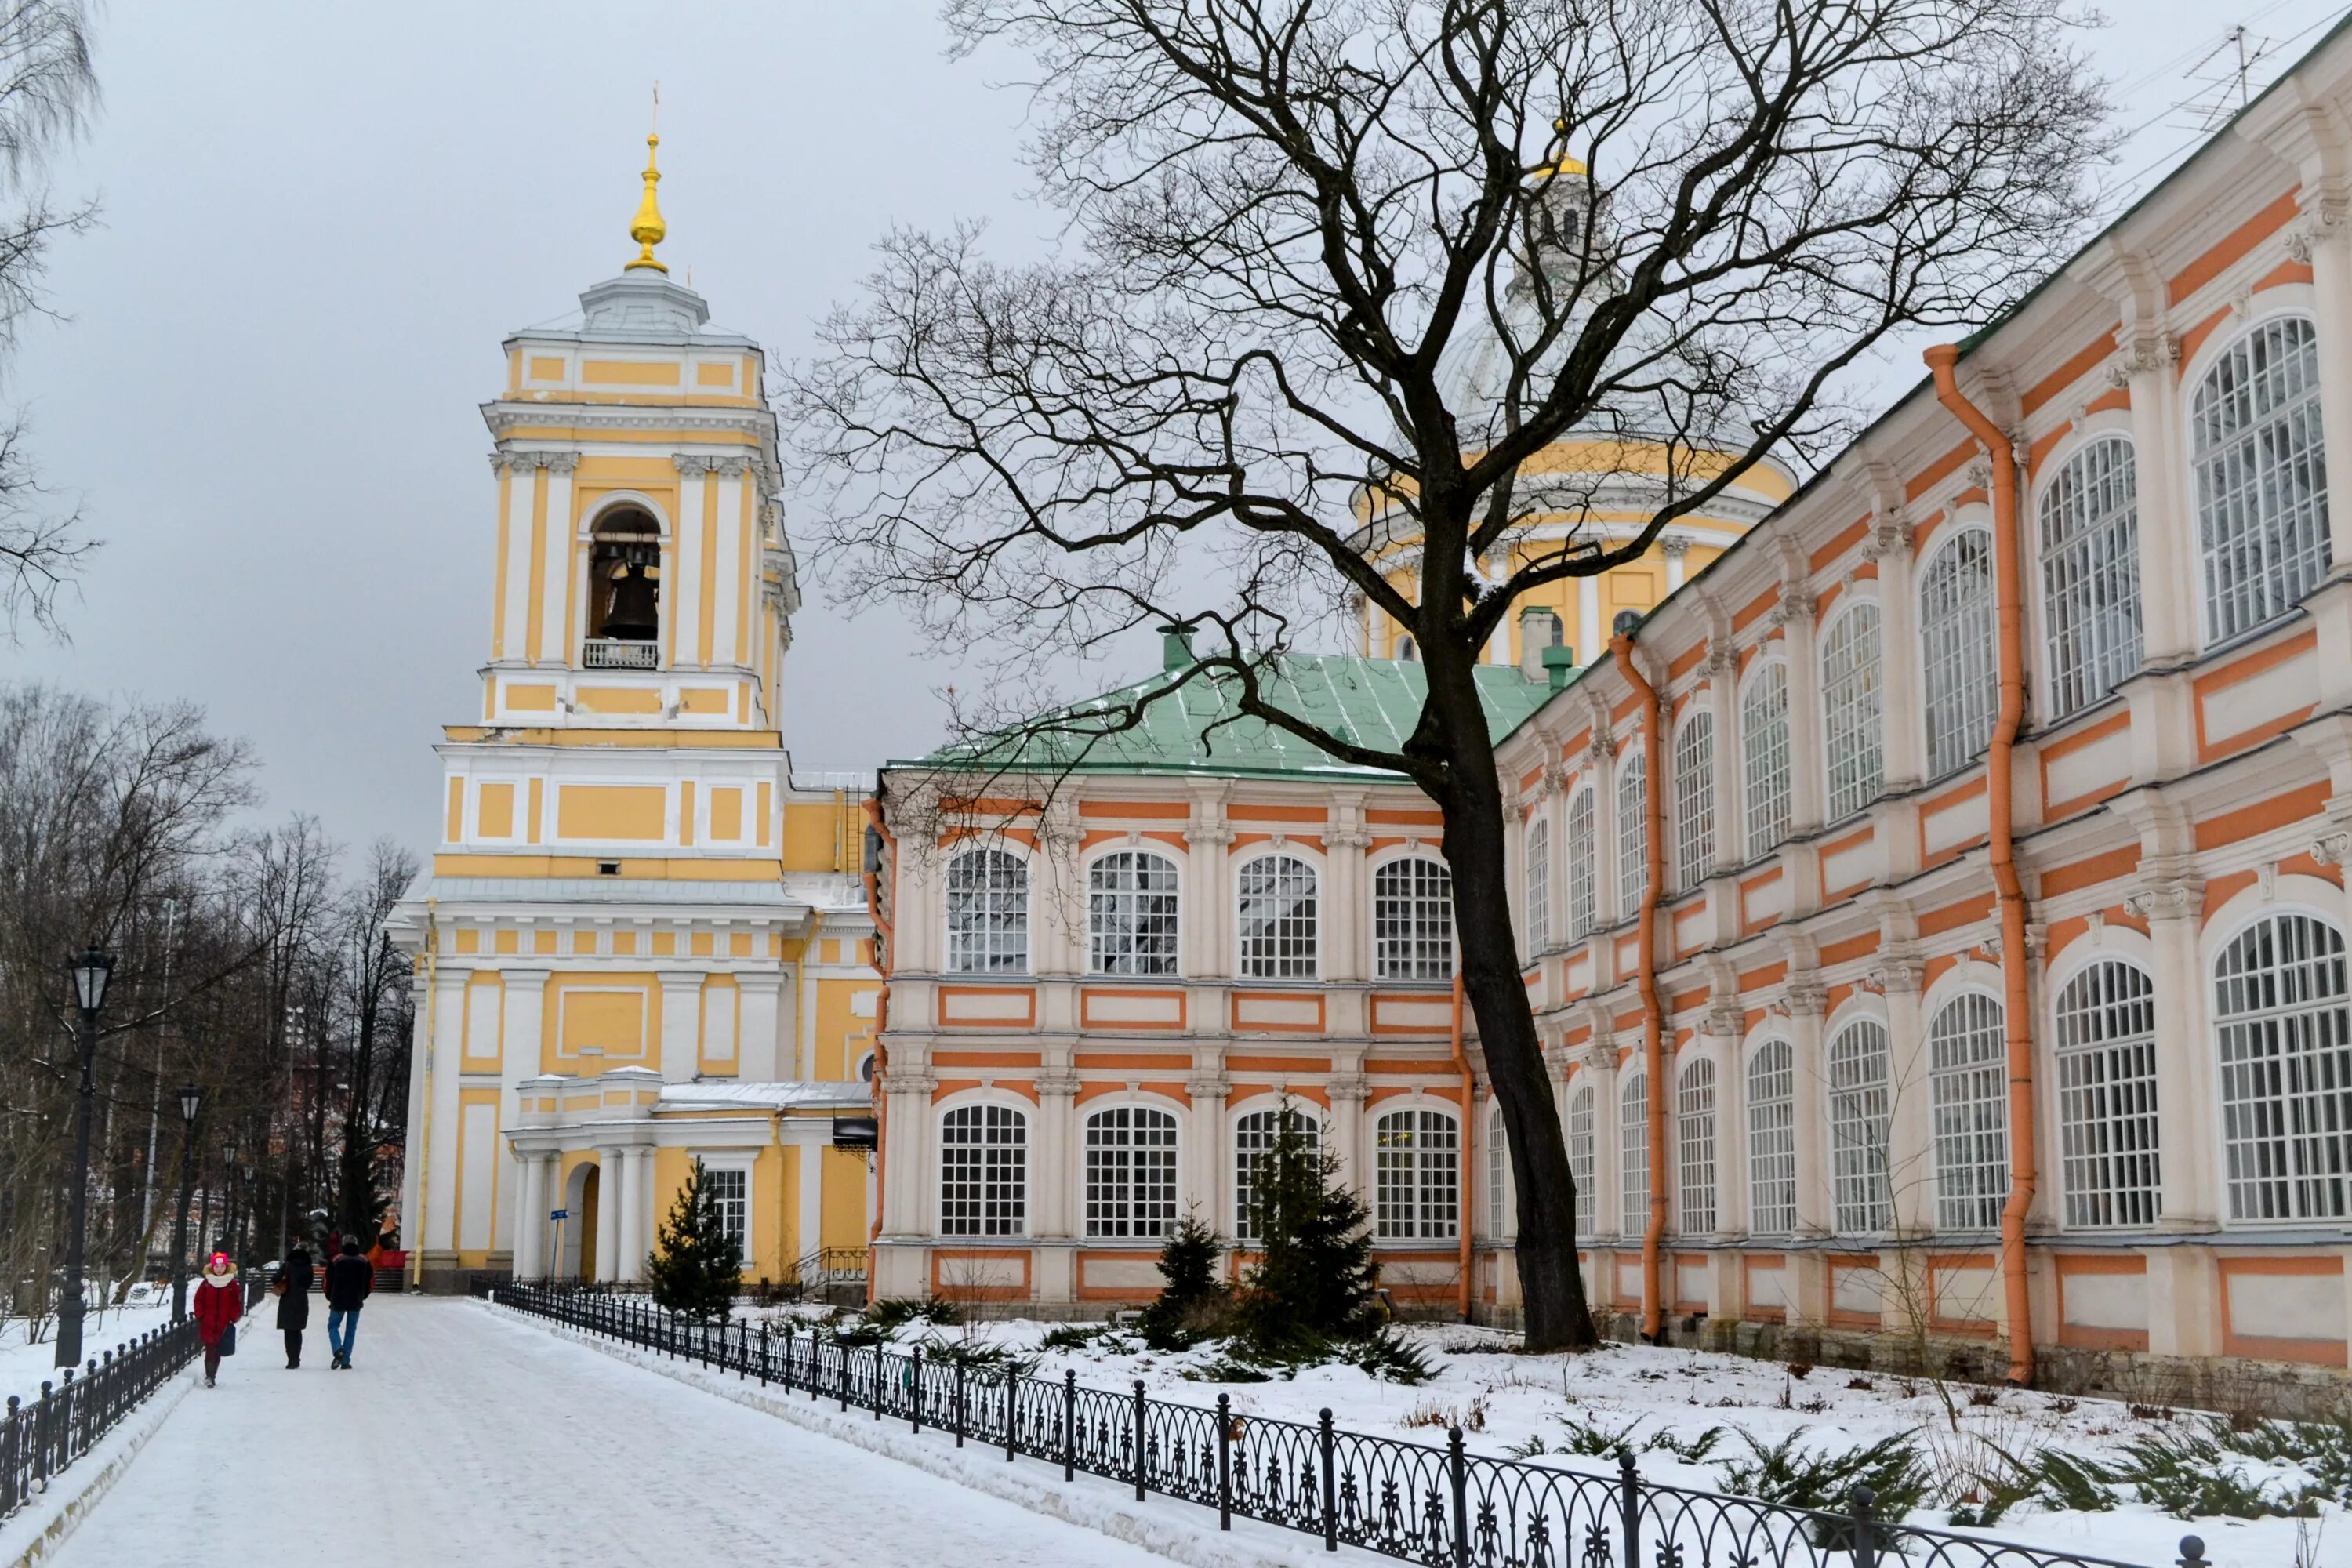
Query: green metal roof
[[1195, 726]]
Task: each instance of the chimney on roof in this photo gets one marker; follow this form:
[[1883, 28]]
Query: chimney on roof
[[1539, 628], [1176, 646], [1559, 663]]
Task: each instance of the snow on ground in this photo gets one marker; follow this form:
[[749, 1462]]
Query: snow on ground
[[24, 1366], [1507, 1402], [466, 1437]]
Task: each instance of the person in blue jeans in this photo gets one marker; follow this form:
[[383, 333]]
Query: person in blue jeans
[[348, 1280]]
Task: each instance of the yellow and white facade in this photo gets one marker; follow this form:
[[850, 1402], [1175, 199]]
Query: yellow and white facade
[[642, 940]]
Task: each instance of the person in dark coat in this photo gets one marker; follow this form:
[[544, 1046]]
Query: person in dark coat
[[220, 1302], [295, 1276], [348, 1282]]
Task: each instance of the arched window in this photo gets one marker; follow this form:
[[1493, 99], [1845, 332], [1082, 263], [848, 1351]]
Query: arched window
[[1413, 921], [1764, 747], [1497, 1174], [1772, 1139], [1581, 1161], [1538, 883], [625, 592], [2285, 1039], [1968, 1101], [983, 1171], [1634, 1156], [1406, 651], [2090, 574], [2261, 477], [1860, 1098], [1277, 919], [988, 913], [1583, 874], [1957, 653], [1632, 836], [1130, 1172], [1850, 700], [2106, 1096], [1694, 800], [1418, 1194], [1131, 913], [1695, 1120], [1253, 1141]]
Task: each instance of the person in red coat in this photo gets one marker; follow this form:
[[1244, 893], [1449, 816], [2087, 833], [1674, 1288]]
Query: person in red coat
[[220, 1302]]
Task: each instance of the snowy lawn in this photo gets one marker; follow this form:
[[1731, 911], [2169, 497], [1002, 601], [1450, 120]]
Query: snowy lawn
[[24, 1366], [1694, 1418]]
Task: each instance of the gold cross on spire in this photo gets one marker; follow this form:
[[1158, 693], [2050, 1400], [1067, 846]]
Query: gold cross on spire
[[647, 229]]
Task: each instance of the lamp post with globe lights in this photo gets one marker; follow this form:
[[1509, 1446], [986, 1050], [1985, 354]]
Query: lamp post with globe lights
[[90, 974], [192, 1105]]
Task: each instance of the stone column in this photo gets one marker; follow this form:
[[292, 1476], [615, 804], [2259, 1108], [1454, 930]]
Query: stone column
[[1903, 705], [1606, 1202], [909, 1154], [1347, 1131], [514, 558], [636, 1233], [687, 570], [1591, 637], [723, 579], [2323, 240], [1206, 1158], [441, 1218], [761, 1052], [1347, 906], [531, 1216], [555, 609], [2169, 569], [1910, 1126], [1807, 1280], [2190, 1195], [1054, 1175], [1674, 550], [680, 1045], [611, 1184]]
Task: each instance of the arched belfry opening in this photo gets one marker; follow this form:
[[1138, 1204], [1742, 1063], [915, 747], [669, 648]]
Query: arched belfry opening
[[624, 590]]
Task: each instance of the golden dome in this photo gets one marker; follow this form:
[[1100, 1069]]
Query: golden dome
[[647, 229]]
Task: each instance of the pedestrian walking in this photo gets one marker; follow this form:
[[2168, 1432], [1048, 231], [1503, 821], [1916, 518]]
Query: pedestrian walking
[[295, 1276], [220, 1302], [348, 1282]]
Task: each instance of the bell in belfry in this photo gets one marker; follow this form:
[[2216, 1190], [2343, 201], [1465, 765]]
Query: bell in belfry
[[635, 615]]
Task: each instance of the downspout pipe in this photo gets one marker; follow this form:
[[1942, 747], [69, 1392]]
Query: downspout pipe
[[2016, 1010], [1645, 974], [884, 957], [1469, 1146]]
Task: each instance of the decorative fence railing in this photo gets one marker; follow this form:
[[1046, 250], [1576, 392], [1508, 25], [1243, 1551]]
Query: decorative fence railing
[[39, 1439], [1445, 1508]]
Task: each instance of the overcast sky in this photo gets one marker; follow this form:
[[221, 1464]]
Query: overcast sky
[[320, 220]]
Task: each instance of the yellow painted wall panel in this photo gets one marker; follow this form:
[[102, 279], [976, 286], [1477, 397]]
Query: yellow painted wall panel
[[703, 700], [611, 812], [546, 369], [625, 943], [494, 813], [618, 698], [543, 942], [523, 699], [816, 834], [457, 809], [765, 809], [726, 816], [533, 811], [504, 942], [612, 1014], [469, 940], [630, 372], [714, 376], [686, 811], [844, 1198]]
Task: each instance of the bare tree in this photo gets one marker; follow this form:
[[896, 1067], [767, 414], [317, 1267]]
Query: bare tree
[[47, 90], [1671, 224]]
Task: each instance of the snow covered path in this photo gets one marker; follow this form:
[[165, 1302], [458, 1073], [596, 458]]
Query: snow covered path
[[460, 1438]]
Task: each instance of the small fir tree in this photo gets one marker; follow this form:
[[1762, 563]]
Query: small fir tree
[[696, 1266], [1314, 1277], [1191, 1297]]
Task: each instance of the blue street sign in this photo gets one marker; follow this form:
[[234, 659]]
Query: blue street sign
[[559, 1214]]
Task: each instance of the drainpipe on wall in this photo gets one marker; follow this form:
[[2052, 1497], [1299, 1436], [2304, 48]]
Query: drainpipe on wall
[[1645, 972], [2000, 832], [1469, 1145], [884, 957]]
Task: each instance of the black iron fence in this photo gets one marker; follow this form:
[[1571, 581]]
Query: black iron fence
[[39, 1439], [1445, 1508]]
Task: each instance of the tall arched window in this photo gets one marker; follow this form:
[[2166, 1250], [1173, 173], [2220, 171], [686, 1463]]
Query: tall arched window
[[2106, 1096], [1956, 641], [1581, 1161], [1130, 1172], [1968, 1101], [1413, 921], [1537, 882], [1254, 1140], [625, 592], [1583, 872], [1764, 755], [988, 913], [2090, 574], [1695, 1121], [1860, 1096], [983, 1171], [1277, 918], [1497, 1174], [1131, 913], [1632, 836], [2261, 477], [2285, 1039], [1850, 703], [1633, 1155], [1772, 1139], [1417, 1194], [1694, 800]]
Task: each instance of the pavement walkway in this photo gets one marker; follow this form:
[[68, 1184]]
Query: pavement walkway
[[462, 1438]]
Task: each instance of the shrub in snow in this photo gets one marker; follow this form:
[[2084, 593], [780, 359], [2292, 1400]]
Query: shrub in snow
[[1312, 1282], [1895, 1469], [695, 1266], [1192, 1301]]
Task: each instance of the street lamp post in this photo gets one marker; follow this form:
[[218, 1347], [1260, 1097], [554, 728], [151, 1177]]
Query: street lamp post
[[192, 1103], [90, 972]]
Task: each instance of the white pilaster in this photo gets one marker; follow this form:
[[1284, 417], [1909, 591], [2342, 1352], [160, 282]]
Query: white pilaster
[[556, 589], [725, 571], [531, 1216], [611, 1184], [681, 1023]]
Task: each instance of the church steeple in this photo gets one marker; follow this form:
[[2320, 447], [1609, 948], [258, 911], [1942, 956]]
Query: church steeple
[[647, 229]]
